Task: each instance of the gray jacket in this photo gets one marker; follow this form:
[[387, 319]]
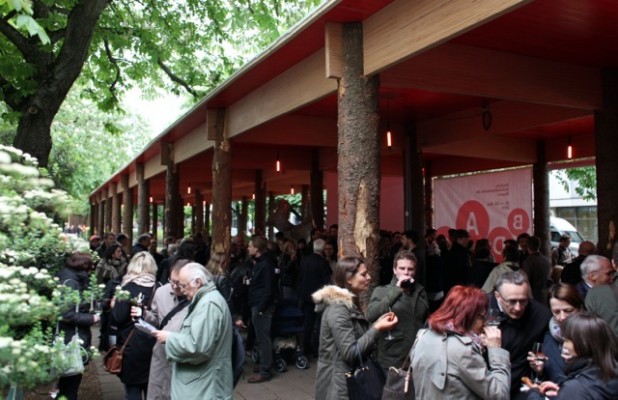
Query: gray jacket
[[343, 324], [452, 367]]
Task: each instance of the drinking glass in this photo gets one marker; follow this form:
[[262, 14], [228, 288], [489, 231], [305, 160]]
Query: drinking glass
[[537, 350], [389, 336], [493, 317]]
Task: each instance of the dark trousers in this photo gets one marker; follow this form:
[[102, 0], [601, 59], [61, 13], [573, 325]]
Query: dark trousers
[[68, 386], [135, 392], [262, 324], [311, 330]]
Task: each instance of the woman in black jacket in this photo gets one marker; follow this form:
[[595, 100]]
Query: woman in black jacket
[[140, 282], [76, 276], [591, 362]]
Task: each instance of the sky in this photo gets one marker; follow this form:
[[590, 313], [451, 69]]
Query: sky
[[159, 113]]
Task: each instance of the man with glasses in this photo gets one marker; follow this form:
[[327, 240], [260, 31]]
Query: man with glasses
[[523, 322], [202, 350]]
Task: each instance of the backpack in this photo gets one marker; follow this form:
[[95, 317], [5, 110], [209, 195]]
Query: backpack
[[238, 355]]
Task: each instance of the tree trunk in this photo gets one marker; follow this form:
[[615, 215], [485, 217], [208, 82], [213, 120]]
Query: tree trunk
[[540, 187], [606, 129], [172, 200], [55, 77], [359, 155], [221, 189]]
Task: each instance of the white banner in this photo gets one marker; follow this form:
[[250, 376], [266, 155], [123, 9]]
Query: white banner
[[494, 205]]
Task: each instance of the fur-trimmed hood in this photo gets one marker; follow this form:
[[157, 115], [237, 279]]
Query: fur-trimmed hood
[[332, 294]]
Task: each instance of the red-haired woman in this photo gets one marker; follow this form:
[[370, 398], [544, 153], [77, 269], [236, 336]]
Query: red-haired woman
[[447, 361]]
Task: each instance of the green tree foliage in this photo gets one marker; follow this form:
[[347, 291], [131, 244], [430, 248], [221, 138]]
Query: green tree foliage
[[189, 45], [586, 178]]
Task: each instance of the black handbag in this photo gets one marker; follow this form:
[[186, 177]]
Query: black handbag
[[399, 384], [366, 381]]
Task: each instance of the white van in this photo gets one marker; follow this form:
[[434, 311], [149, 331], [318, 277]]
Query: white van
[[559, 227]]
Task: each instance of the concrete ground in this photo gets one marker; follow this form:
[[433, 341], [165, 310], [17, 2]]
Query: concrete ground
[[295, 384]]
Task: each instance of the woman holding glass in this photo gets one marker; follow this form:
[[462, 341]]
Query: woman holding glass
[[592, 367], [344, 331], [448, 359], [564, 301]]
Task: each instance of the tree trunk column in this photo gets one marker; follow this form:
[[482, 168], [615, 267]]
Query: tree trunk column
[[92, 218], [413, 193], [316, 188], [127, 204], [172, 196], [108, 209], [115, 209], [428, 195], [143, 203], [155, 220], [221, 188], [207, 221], [540, 188], [242, 219], [199, 212], [100, 215], [358, 154], [260, 204], [606, 131]]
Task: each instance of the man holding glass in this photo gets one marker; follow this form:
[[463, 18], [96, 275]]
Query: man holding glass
[[408, 300], [523, 321]]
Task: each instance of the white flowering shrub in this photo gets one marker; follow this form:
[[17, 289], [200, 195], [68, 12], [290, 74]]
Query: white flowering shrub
[[32, 250]]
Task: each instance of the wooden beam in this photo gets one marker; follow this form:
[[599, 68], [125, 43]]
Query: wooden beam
[[459, 69], [491, 147], [333, 50], [298, 86], [506, 117], [298, 130], [406, 28]]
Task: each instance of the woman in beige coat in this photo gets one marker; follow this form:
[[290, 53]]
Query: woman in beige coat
[[343, 326], [447, 360]]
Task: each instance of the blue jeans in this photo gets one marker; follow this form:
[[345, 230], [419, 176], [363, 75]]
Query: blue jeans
[[134, 392], [262, 324]]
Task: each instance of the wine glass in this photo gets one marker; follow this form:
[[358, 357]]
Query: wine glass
[[539, 356], [98, 307], [389, 336], [493, 317]]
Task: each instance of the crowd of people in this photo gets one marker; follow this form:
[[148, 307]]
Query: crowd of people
[[479, 325]]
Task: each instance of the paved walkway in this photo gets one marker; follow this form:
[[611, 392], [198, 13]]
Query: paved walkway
[[295, 384]]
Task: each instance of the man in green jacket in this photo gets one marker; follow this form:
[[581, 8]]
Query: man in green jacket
[[201, 353], [408, 300]]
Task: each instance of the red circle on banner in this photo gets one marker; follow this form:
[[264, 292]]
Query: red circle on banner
[[518, 221], [443, 230], [497, 236], [472, 216]]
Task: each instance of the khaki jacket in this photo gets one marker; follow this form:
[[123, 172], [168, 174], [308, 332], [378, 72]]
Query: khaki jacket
[[343, 324]]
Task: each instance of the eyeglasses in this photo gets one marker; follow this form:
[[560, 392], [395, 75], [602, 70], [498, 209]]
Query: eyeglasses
[[514, 302], [173, 283], [184, 285]]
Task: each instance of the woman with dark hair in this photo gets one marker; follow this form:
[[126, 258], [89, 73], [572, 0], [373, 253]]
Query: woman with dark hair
[[345, 331], [288, 264], [217, 266], [448, 360], [592, 362], [564, 301], [113, 265], [76, 276]]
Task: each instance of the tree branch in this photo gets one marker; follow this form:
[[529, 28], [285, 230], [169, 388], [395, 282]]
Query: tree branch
[[177, 79], [114, 62]]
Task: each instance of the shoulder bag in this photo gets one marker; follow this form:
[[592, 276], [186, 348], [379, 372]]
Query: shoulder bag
[[399, 384], [365, 382]]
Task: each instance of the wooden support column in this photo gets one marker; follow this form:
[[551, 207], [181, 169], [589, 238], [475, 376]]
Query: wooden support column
[[207, 233], [199, 212], [143, 203], [115, 209], [108, 210], [271, 211], [155, 220], [358, 154], [221, 186], [242, 218], [127, 207], [316, 190], [428, 195], [606, 132], [92, 218], [173, 203], [540, 188], [260, 204], [414, 194], [100, 214]]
